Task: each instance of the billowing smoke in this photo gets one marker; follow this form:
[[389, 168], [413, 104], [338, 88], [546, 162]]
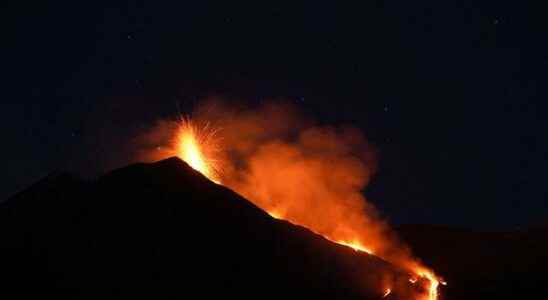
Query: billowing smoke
[[292, 168]]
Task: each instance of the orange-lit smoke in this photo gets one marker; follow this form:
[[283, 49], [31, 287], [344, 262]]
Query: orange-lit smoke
[[309, 175]]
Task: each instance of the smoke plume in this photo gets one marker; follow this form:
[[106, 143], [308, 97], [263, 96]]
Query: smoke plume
[[310, 175]]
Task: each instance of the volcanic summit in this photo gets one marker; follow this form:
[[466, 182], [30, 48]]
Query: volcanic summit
[[164, 231]]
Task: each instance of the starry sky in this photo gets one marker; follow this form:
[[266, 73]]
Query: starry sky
[[452, 93]]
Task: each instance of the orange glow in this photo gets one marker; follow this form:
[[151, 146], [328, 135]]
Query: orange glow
[[305, 184], [192, 145], [356, 245], [433, 283], [275, 215]]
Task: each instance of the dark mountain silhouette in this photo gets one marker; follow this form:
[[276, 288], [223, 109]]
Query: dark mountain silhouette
[[163, 231], [484, 265]]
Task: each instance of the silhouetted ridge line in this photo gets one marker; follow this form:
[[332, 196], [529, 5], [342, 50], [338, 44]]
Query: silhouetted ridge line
[[162, 230]]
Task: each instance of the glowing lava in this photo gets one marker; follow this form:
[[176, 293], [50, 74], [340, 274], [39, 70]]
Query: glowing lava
[[433, 281], [356, 246], [198, 147], [193, 144]]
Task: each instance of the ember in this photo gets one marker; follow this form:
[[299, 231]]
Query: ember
[[193, 143]]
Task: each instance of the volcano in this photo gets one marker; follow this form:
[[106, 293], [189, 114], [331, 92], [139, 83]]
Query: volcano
[[164, 231]]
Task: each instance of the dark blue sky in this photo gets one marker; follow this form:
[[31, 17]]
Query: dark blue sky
[[451, 92]]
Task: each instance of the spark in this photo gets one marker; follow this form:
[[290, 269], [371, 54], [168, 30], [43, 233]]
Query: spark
[[196, 146]]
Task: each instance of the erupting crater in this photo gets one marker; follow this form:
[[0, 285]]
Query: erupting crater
[[199, 146]]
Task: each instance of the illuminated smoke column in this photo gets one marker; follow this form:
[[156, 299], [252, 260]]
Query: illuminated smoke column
[[295, 170]]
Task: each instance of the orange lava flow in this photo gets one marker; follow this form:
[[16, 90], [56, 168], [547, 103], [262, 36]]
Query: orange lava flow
[[357, 246], [433, 280], [433, 285], [197, 146]]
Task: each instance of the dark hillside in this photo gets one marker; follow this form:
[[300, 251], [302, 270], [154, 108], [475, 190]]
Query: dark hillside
[[484, 265], [163, 231]]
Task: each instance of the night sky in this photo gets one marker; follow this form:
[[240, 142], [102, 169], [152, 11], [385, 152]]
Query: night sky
[[452, 93]]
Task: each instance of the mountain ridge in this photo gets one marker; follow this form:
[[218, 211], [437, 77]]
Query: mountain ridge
[[164, 230]]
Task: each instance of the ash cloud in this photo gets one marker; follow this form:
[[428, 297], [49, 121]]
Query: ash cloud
[[293, 168]]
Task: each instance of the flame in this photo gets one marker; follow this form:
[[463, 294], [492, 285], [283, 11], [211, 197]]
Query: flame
[[356, 245], [433, 283], [275, 215], [197, 146], [192, 145], [433, 280]]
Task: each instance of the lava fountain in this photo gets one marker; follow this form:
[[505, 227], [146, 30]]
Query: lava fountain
[[199, 146], [193, 144]]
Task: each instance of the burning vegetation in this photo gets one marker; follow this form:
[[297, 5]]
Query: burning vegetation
[[308, 175]]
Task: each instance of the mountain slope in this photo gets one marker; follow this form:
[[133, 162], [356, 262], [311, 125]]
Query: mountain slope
[[484, 265], [162, 230]]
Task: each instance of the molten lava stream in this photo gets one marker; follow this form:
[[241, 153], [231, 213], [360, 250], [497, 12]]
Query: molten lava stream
[[433, 281], [193, 145]]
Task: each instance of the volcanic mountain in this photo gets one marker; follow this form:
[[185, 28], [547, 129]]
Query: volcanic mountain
[[164, 231]]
